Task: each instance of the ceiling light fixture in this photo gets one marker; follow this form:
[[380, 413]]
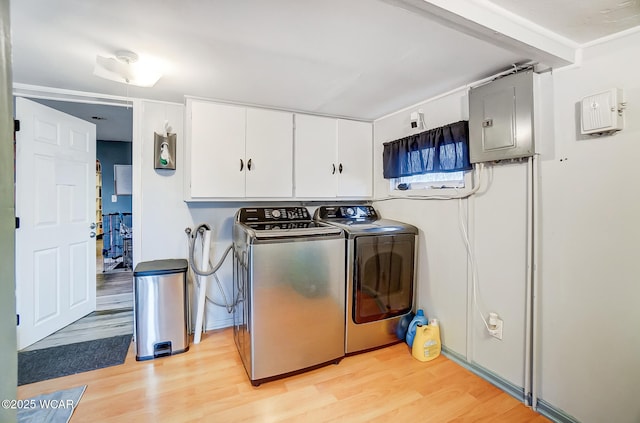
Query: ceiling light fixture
[[126, 68]]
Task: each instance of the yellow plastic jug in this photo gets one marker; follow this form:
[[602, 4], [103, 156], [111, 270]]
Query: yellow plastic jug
[[426, 344]]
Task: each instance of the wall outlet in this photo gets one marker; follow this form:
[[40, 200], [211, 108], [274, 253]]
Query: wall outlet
[[114, 198], [496, 331]]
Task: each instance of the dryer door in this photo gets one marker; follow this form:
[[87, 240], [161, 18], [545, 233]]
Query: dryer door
[[383, 277]]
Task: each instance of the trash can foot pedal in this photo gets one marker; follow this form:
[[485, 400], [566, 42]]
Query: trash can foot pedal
[[161, 349]]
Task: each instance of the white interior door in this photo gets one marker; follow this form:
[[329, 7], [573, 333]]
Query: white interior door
[[55, 201]]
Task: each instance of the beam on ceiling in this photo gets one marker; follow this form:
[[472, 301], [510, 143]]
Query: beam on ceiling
[[488, 22]]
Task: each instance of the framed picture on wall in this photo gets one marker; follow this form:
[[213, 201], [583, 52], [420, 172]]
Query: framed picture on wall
[[122, 175]]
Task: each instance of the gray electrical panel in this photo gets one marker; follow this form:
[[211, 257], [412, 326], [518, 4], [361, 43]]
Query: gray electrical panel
[[501, 118]]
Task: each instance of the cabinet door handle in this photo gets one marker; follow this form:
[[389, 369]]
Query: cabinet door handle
[[340, 168], [241, 165], [249, 165], [334, 169]]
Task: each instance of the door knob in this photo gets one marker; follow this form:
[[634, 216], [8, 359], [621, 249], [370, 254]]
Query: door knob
[[92, 234], [92, 226]]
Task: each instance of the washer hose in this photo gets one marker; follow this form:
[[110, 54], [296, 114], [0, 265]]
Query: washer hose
[[205, 273], [192, 240]]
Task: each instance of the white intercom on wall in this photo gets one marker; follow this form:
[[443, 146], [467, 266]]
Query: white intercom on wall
[[601, 114]]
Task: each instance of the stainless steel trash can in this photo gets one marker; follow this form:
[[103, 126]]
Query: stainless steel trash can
[[160, 308]]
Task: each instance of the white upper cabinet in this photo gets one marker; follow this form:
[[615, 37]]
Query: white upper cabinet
[[237, 152], [269, 153], [216, 141], [355, 159], [333, 158], [315, 156]]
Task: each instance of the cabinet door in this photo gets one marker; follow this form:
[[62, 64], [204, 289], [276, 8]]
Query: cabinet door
[[315, 153], [217, 156], [269, 153], [355, 159]]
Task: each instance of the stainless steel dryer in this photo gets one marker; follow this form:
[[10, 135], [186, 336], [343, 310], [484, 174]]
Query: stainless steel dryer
[[380, 268], [289, 279]]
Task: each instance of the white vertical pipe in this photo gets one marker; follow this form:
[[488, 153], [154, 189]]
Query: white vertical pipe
[[202, 291], [536, 284], [529, 291]]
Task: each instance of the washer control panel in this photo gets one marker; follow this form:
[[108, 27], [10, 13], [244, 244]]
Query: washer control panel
[[273, 214]]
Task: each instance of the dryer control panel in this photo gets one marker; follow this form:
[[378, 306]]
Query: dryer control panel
[[346, 212]]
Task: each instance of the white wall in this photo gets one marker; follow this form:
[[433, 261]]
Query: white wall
[[497, 225], [500, 242], [590, 285], [159, 212], [441, 277]]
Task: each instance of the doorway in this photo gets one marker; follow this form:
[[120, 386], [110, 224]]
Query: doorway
[[114, 287], [113, 206]]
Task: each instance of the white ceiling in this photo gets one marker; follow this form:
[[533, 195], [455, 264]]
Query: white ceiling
[[579, 20], [357, 58]]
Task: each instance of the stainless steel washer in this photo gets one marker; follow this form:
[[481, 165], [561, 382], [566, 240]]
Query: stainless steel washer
[[289, 279], [380, 269]]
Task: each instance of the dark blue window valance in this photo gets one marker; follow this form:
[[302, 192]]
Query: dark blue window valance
[[444, 149]]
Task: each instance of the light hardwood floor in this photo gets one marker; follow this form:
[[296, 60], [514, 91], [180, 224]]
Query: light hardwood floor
[[208, 384]]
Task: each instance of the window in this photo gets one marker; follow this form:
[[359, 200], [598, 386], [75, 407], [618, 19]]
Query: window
[[437, 158], [429, 181]]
